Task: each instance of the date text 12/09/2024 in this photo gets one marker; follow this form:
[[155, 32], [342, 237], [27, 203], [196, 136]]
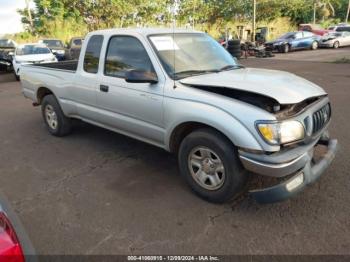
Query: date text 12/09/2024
[[173, 258]]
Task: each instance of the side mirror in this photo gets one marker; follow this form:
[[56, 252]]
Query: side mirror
[[140, 76]]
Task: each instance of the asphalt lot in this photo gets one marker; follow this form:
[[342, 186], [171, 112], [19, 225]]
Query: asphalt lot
[[97, 192]]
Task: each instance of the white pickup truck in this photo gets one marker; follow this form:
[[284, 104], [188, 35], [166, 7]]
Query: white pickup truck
[[181, 91]]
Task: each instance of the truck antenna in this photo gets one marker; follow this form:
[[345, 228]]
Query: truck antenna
[[174, 25]]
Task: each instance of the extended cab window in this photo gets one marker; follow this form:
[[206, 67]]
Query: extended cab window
[[126, 53], [92, 54]]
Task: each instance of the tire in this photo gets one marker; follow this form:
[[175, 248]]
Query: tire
[[229, 177], [314, 45], [237, 54], [51, 110], [285, 48], [336, 45], [17, 76], [234, 49], [234, 43]]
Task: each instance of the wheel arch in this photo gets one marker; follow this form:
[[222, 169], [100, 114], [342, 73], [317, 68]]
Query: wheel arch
[[42, 92], [181, 130]]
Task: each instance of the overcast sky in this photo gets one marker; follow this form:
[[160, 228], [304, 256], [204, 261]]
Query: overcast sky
[[10, 20]]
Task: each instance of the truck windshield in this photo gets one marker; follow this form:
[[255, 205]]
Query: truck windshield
[[186, 54], [32, 50]]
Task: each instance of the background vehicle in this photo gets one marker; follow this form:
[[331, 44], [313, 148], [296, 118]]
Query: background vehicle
[[181, 91], [74, 48], [7, 47], [261, 34], [316, 29], [31, 54], [335, 39], [14, 242], [56, 46], [294, 41], [340, 28]]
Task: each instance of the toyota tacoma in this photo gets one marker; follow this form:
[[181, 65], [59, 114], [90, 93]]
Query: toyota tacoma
[[181, 91]]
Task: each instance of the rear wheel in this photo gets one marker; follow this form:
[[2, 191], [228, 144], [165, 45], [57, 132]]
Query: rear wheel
[[208, 161], [336, 45], [314, 45], [57, 123]]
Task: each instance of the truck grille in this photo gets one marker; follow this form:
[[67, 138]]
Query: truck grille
[[320, 118]]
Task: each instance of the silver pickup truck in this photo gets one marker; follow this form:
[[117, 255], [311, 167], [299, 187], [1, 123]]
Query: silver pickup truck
[[181, 91]]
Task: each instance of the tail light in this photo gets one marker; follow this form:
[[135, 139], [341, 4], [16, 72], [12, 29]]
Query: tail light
[[10, 248]]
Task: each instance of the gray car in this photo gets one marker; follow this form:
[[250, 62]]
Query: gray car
[[183, 92], [335, 40]]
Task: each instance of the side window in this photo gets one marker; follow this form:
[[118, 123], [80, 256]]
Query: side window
[[299, 35], [307, 29], [92, 54], [126, 53], [308, 34]]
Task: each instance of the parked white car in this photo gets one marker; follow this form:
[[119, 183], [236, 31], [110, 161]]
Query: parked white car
[[335, 39], [31, 54]]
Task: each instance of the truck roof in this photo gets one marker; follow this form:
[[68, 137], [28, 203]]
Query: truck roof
[[144, 31]]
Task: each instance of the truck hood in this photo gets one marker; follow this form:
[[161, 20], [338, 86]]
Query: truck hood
[[284, 87]]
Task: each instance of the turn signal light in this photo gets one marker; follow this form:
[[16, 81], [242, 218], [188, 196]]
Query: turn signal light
[[10, 248]]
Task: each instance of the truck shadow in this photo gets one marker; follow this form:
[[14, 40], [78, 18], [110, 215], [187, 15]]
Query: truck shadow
[[152, 172]]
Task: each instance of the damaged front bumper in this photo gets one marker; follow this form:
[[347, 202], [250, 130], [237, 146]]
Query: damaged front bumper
[[298, 161]]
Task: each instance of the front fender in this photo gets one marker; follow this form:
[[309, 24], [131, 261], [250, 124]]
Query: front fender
[[180, 112]]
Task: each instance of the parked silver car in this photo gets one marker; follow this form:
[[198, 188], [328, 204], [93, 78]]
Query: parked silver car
[[181, 91], [335, 39]]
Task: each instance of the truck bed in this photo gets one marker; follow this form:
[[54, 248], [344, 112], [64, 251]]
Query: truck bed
[[70, 65]]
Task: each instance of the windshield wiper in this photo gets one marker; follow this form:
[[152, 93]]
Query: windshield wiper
[[195, 72], [188, 73], [229, 67]]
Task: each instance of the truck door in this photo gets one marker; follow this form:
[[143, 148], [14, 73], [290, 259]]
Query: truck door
[[83, 93], [133, 108]]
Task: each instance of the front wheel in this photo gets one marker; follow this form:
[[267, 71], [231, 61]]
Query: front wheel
[[314, 45], [57, 123], [336, 45], [208, 161], [17, 77], [285, 48]]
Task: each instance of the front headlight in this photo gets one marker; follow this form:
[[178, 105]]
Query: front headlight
[[278, 133]]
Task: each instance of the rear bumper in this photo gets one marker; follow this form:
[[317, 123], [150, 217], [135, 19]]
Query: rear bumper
[[304, 170]]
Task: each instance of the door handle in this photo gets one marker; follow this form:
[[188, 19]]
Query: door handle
[[104, 88]]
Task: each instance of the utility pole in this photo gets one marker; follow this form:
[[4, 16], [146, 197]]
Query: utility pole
[[29, 15], [347, 13], [254, 20], [314, 12]]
